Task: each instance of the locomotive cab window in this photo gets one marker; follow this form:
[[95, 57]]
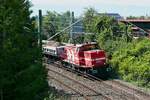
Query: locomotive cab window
[[90, 47]]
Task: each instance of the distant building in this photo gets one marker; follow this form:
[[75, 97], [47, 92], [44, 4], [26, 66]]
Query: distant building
[[114, 15], [140, 27], [78, 28]]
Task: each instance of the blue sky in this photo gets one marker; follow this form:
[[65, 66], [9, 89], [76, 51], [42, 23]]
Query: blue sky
[[123, 7]]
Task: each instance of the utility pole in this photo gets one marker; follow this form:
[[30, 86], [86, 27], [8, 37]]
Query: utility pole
[[40, 29], [71, 28]]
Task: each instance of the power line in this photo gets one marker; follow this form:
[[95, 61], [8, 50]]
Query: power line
[[65, 29]]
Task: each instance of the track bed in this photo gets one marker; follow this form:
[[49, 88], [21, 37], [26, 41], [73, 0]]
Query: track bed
[[110, 88]]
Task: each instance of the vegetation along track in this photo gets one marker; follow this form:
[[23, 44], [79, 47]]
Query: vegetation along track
[[113, 89]]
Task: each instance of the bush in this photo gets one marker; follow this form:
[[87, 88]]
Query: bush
[[130, 58], [132, 62]]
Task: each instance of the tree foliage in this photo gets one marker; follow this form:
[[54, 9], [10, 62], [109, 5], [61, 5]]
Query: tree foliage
[[132, 61], [110, 32], [106, 30], [88, 17], [130, 58], [54, 22], [22, 76]]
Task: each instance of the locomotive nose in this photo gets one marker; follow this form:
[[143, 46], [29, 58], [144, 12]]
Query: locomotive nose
[[95, 58]]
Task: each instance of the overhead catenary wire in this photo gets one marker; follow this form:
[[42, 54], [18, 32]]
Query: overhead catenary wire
[[65, 29]]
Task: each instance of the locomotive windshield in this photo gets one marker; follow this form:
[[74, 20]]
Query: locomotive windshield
[[90, 47]]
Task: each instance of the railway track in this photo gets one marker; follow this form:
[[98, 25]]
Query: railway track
[[69, 87], [128, 91], [97, 85], [83, 90], [121, 91], [136, 93]]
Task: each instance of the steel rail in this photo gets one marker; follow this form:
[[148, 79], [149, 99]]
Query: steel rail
[[147, 96], [84, 96], [89, 88], [91, 77]]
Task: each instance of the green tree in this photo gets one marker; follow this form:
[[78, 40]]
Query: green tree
[[131, 61], [49, 23], [53, 22], [130, 58], [88, 17], [22, 76], [110, 32], [89, 37]]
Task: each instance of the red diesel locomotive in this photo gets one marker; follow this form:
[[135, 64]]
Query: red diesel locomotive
[[87, 56]]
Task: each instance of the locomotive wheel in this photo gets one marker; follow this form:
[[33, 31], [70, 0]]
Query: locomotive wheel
[[73, 67]]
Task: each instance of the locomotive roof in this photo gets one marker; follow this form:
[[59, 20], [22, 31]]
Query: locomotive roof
[[80, 45], [50, 44]]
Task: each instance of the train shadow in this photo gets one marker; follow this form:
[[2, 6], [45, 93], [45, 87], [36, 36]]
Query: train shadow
[[108, 75]]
